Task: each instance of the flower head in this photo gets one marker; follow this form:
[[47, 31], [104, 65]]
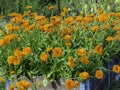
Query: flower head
[[44, 56], [99, 74], [57, 52], [84, 75]]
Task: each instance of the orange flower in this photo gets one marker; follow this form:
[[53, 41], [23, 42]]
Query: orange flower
[[65, 10], [52, 7], [70, 61], [27, 50], [12, 72], [11, 87], [68, 44], [109, 38], [44, 56], [49, 49], [99, 74], [1, 42], [95, 28], [116, 28], [84, 75], [81, 52], [68, 37], [57, 52], [18, 53], [98, 49], [84, 60], [69, 84], [116, 68], [100, 11], [16, 61], [10, 59]]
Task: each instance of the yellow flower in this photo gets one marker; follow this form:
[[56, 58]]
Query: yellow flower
[[70, 61], [99, 74], [57, 52], [11, 87], [81, 52], [52, 7], [116, 68], [109, 38], [68, 44], [2, 79], [84, 75], [44, 56], [27, 50], [116, 28], [84, 60], [10, 59], [98, 49]]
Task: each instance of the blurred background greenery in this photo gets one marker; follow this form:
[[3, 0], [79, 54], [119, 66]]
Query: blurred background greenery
[[75, 6]]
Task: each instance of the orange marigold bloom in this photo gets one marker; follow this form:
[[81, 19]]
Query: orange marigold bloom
[[57, 52], [16, 61], [84, 75], [12, 72], [84, 60], [69, 84], [109, 38], [99, 74], [98, 49], [10, 59], [9, 26], [81, 52], [27, 50], [44, 56], [11, 87], [68, 37], [95, 28], [1, 42], [116, 68], [68, 44], [103, 17], [18, 53], [65, 10], [49, 49], [100, 11], [70, 61], [116, 28]]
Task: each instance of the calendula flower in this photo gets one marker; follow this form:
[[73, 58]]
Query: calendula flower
[[81, 52], [84, 75], [13, 60], [99, 74], [68, 37], [11, 87], [68, 44], [49, 49], [23, 85], [100, 11], [44, 56], [84, 60], [57, 52], [12, 72], [116, 28], [70, 61], [109, 38], [18, 53], [69, 84], [116, 68], [52, 7], [65, 10], [1, 42], [95, 28], [98, 49], [27, 50]]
